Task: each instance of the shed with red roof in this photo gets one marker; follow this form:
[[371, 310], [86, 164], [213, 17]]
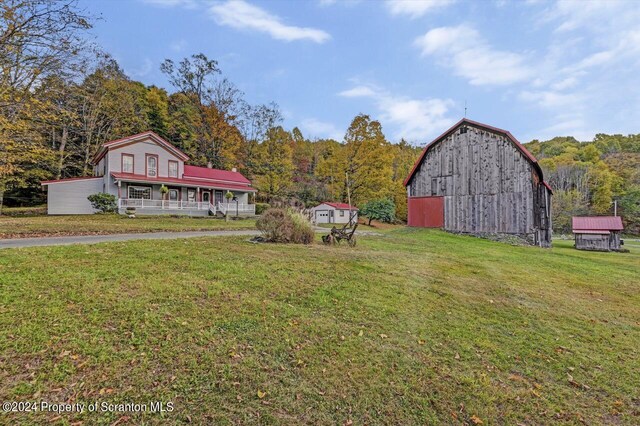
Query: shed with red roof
[[597, 233], [479, 179]]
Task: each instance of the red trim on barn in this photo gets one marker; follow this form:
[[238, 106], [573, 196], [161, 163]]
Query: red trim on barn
[[506, 133], [425, 212]]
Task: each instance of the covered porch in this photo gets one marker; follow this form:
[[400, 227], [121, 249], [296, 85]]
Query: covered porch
[[190, 199]]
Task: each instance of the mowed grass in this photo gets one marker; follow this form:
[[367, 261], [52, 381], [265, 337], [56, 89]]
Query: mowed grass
[[47, 226], [411, 327]]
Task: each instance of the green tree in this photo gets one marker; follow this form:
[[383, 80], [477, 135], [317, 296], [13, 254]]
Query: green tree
[[274, 165], [381, 210], [365, 157]]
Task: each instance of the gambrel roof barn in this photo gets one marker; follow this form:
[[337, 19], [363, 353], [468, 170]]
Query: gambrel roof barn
[[479, 179]]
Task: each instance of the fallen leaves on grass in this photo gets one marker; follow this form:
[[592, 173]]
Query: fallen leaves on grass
[[261, 394], [476, 420]]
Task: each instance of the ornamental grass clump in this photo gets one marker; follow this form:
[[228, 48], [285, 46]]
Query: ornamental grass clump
[[285, 226], [302, 232]]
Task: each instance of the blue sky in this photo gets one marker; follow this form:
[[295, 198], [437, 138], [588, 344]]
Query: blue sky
[[539, 68]]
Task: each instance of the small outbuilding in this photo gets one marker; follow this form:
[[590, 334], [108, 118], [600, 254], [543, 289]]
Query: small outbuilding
[[334, 213], [598, 233]]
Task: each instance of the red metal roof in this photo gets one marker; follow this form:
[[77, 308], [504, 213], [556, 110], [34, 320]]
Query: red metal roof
[[48, 182], [596, 223], [506, 133], [186, 182], [214, 174], [341, 206]]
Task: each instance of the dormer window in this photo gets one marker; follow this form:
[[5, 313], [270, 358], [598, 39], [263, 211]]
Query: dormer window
[[127, 163], [152, 165], [173, 169]]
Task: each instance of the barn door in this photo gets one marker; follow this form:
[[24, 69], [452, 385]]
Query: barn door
[[426, 212]]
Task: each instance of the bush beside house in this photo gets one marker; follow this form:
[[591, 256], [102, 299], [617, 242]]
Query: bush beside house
[[103, 203]]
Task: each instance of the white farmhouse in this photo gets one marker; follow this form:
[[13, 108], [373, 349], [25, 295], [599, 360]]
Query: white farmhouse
[[334, 213], [135, 168]]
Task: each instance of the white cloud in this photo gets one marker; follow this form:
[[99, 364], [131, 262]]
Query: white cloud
[[552, 99], [571, 15], [189, 4], [144, 69], [358, 92], [415, 119], [178, 45], [326, 3], [415, 8], [463, 49], [244, 16], [313, 128]]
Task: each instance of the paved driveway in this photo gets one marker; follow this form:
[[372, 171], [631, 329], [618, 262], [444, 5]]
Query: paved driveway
[[92, 239]]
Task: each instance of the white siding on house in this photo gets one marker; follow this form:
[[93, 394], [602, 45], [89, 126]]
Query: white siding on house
[[139, 151], [70, 197]]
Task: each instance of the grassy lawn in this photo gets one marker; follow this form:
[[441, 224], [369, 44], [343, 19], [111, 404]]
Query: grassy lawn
[[411, 327], [39, 226]]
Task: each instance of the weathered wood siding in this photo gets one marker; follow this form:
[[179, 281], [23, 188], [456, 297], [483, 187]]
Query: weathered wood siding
[[598, 242], [487, 184]]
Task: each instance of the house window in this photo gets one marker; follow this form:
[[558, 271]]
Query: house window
[[341, 213], [140, 192], [173, 169], [191, 194], [127, 163], [152, 166]]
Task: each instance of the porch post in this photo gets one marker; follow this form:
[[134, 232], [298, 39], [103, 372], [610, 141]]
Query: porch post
[[119, 188], [198, 199]]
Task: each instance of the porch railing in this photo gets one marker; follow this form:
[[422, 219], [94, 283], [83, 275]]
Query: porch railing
[[239, 208], [140, 203]]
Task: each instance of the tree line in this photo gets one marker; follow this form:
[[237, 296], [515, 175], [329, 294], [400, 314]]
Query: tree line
[[588, 177], [61, 97]]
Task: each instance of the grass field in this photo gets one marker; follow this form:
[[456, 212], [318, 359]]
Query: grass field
[[411, 327], [46, 226]]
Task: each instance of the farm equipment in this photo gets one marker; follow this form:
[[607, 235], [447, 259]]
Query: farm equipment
[[347, 233]]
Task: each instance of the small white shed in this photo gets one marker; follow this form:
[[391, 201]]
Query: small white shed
[[334, 213]]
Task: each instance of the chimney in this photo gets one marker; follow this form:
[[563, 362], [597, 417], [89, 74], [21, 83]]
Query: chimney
[[234, 169], [210, 165]]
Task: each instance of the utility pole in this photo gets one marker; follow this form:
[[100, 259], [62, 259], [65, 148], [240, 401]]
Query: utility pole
[[615, 207], [346, 174]]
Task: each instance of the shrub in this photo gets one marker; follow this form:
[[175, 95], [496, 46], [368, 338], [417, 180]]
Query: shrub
[[104, 203], [285, 226], [383, 210], [261, 207]]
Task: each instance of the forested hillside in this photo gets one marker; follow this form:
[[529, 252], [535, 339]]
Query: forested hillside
[[587, 177], [61, 97]]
